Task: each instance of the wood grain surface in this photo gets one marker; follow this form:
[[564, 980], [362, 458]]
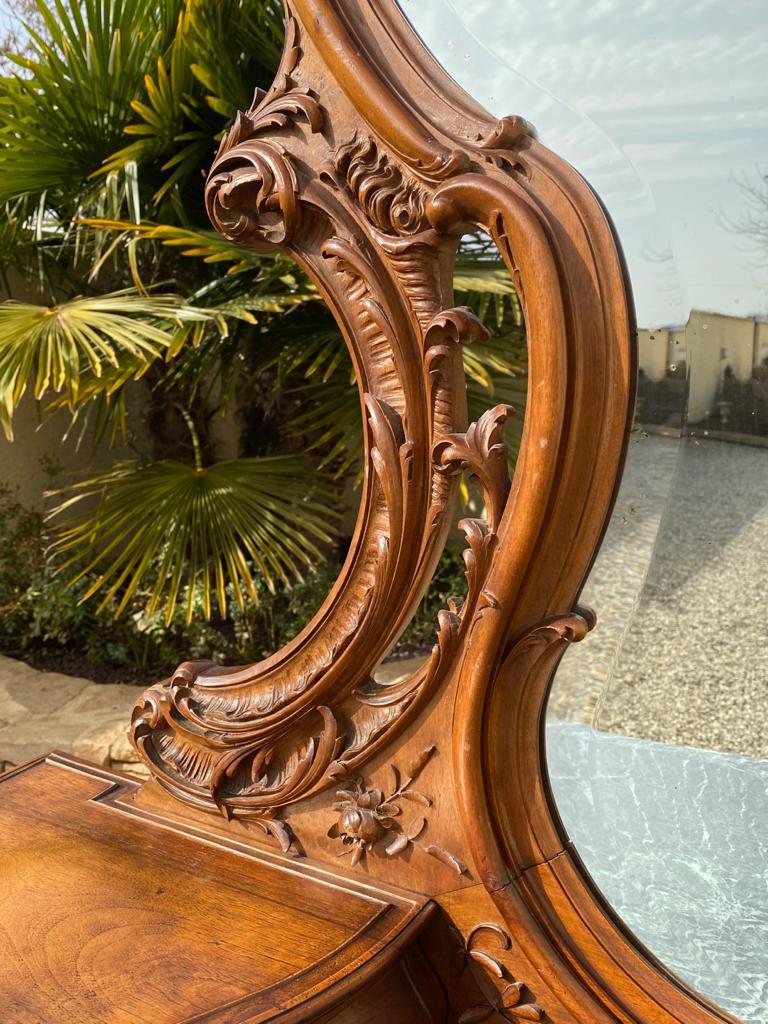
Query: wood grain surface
[[105, 916], [263, 874]]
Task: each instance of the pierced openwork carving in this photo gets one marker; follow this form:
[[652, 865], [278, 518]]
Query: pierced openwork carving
[[360, 215], [368, 164]]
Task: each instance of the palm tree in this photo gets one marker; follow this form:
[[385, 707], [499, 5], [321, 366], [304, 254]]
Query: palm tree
[[107, 122]]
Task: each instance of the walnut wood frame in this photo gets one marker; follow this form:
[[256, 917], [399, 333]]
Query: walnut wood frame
[[367, 163]]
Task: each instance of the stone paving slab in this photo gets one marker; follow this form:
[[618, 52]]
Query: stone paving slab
[[41, 711], [679, 587], [24, 691]]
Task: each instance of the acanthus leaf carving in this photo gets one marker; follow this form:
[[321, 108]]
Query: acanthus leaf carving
[[281, 111], [556, 630], [393, 202], [483, 441], [252, 194], [460, 325], [279, 105], [371, 321], [507, 133], [503, 146], [445, 333], [482, 452], [434, 164]]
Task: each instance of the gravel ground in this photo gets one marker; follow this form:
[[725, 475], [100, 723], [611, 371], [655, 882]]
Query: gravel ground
[[681, 591]]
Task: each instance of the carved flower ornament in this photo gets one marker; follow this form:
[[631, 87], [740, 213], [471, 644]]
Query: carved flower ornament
[[364, 818], [367, 816]]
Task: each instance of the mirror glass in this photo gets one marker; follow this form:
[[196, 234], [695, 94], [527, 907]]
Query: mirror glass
[[657, 737]]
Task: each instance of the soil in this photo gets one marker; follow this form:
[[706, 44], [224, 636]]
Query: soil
[[71, 663]]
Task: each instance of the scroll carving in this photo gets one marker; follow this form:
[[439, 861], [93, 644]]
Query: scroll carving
[[250, 741], [253, 197], [374, 212], [512, 1001], [368, 164]]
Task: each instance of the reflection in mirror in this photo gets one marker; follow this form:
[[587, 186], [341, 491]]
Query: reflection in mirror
[[658, 722]]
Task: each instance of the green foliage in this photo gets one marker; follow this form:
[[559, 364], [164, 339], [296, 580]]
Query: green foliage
[[218, 52], [41, 614], [64, 113], [312, 366], [197, 244], [108, 122], [44, 618], [177, 528], [22, 568], [59, 345]]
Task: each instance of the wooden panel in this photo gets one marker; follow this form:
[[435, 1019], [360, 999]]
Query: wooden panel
[[104, 916]]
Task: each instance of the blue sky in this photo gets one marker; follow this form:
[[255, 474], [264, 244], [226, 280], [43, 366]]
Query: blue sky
[[661, 104]]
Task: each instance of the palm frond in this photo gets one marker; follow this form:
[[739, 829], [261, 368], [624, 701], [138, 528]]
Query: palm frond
[[57, 346], [331, 422], [488, 290], [21, 234], [171, 130], [203, 245], [65, 113], [234, 44], [218, 52], [188, 531], [482, 276], [303, 347]]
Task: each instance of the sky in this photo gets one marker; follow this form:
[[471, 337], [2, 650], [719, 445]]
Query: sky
[[661, 104]]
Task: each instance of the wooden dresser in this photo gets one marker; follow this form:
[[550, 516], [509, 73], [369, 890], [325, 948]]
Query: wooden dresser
[[314, 845]]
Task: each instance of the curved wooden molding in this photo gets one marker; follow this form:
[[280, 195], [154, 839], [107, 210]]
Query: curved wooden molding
[[367, 163]]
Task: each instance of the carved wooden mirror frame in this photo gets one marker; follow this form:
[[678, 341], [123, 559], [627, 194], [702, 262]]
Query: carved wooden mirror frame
[[367, 163]]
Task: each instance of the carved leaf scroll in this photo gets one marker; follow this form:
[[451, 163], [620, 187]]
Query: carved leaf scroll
[[366, 162], [370, 185], [510, 1003], [392, 200]]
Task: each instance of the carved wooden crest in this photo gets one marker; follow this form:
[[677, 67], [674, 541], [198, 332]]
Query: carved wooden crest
[[368, 164], [371, 189]]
